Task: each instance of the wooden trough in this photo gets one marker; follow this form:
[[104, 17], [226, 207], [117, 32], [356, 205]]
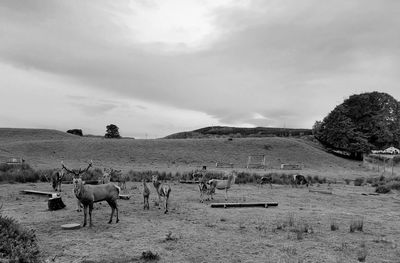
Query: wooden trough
[[256, 204], [328, 192], [54, 203]]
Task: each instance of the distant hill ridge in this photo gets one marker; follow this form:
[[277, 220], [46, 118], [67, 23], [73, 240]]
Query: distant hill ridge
[[27, 134], [237, 132]]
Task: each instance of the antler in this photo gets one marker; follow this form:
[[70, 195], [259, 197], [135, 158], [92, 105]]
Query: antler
[[87, 168], [66, 169]]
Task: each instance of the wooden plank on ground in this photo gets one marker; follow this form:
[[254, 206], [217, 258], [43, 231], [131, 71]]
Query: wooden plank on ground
[[188, 182], [35, 192], [256, 204], [328, 192]]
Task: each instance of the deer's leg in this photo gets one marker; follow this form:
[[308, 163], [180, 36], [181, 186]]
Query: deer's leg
[[116, 208], [90, 214], [85, 208], [112, 205], [226, 194]]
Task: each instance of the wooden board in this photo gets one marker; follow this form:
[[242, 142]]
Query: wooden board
[[320, 191], [71, 226], [49, 194], [188, 182], [259, 204]]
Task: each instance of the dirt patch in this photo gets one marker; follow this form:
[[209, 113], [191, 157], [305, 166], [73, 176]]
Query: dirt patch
[[194, 232]]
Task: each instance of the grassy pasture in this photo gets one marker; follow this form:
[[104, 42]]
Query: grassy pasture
[[45, 150], [298, 230]]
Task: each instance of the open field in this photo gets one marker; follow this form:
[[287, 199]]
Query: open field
[[203, 234], [46, 148]]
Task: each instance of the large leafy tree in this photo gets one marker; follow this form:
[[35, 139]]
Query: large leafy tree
[[361, 123], [112, 131]]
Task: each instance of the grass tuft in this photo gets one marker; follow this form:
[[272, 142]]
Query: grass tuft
[[356, 225]]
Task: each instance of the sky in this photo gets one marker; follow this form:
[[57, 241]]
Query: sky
[[157, 67]]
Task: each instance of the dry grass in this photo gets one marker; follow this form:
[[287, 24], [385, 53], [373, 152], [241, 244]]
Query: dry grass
[[357, 225], [192, 228], [44, 149]]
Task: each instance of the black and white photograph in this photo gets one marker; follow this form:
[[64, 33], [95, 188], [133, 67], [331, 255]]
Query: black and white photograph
[[200, 131]]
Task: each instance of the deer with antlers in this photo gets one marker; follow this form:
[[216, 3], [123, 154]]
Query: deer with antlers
[[90, 194]]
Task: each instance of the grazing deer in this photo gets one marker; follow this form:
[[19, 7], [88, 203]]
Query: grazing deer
[[56, 179], [266, 179], [299, 179], [76, 174], [90, 194], [205, 190], [163, 190], [222, 184], [146, 194]]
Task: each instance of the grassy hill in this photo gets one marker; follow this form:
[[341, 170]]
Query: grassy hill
[[46, 148], [234, 132]]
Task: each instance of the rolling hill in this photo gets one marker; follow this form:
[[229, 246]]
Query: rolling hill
[[46, 148], [235, 132]]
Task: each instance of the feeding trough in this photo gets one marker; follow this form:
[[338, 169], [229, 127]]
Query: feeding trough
[[254, 204], [71, 226], [54, 203]]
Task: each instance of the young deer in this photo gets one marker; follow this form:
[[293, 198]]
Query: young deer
[[163, 190], [146, 194]]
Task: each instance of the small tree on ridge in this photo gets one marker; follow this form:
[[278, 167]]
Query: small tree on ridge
[[112, 131]]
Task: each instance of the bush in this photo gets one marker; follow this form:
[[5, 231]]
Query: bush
[[16, 243], [18, 173], [382, 189], [359, 181], [148, 255]]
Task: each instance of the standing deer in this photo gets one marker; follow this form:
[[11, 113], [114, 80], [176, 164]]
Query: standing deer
[[163, 190], [90, 194], [76, 174], [222, 184], [146, 194], [106, 176]]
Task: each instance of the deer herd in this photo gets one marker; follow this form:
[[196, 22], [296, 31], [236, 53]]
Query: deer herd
[[107, 190]]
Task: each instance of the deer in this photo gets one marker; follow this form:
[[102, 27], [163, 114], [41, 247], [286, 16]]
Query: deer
[[266, 179], [146, 194], [106, 176], [76, 174], [163, 190], [115, 176], [90, 194], [299, 179], [222, 184], [56, 178]]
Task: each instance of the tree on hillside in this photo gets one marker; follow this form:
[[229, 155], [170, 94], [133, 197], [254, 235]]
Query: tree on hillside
[[361, 123], [112, 131], [75, 132]]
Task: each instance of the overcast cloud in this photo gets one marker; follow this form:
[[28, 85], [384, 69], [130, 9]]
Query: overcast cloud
[[159, 67]]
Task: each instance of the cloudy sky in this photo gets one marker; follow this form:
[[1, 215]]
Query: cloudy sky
[[158, 67]]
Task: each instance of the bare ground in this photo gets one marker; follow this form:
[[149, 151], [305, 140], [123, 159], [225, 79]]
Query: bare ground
[[203, 234]]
